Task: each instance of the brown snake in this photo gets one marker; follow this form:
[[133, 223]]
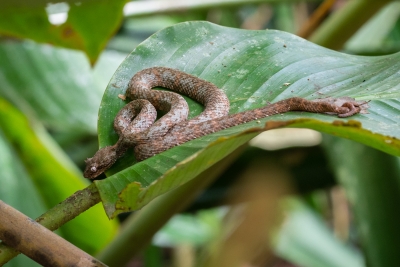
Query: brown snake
[[136, 128]]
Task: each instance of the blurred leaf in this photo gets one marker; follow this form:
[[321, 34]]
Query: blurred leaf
[[372, 182], [53, 177], [372, 37], [18, 191], [305, 240], [252, 67], [88, 26], [190, 229], [136, 30], [17, 188], [284, 15], [153, 256], [55, 85], [340, 26]]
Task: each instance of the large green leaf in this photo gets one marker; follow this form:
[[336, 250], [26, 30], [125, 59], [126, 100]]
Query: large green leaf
[[83, 28], [253, 68], [371, 180], [18, 190], [56, 86], [32, 160]]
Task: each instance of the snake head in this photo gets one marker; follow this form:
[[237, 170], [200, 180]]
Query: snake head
[[100, 162]]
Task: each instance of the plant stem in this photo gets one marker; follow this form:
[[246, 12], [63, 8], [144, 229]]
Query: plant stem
[[39, 243], [65, 211], [338, 28], [315, 19]]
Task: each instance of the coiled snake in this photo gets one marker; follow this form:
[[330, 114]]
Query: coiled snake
[[136, 126]]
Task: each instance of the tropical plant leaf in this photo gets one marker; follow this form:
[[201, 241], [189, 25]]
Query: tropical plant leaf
[[18, 191], [254, 68], [82, 29], [375, 35], [30, 154], [304, 239], [57, 86], [371, 180]]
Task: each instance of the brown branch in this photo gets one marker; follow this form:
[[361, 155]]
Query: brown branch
[[59, 215], [315, 19], [39, 243]]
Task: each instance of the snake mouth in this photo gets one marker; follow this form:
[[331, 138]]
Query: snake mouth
[[100, 162]]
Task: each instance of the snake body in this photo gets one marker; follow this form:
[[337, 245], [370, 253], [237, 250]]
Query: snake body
[[136, 128], [216, 103]]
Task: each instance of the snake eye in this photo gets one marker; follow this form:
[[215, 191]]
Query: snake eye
[[93, 169]]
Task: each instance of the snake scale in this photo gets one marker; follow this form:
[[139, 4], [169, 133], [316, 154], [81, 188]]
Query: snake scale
[[136, 122]]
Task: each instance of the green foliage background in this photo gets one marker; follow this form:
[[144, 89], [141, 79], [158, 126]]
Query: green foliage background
[[51, 97]]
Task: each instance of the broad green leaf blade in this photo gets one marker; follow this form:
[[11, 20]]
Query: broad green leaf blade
[[371, 180], [304, 239], [374, 36], [253, 68], [82, 29], [18, 191], [54, 178], [57, 86], [16, 188]]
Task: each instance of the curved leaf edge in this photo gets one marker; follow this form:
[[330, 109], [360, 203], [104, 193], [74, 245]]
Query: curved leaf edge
[[134, 196], [128, 175]]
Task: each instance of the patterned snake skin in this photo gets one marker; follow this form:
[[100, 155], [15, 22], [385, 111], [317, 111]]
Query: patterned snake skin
[[136, 127]]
